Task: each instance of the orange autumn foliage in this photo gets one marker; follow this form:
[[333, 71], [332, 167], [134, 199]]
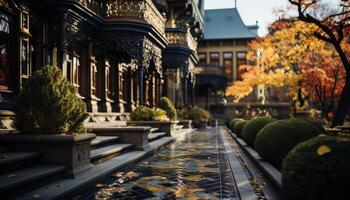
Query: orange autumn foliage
[[291, 55]]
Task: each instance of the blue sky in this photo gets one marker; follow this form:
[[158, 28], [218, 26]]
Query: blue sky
[[251, 10]]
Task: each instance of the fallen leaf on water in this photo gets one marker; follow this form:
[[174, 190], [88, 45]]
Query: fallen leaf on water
[[154, 189], [99, 185], [132, 175], [322, 150], [119, 174], [194, 178]]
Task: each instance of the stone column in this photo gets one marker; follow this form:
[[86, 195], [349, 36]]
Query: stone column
[[130, 101], [185, 89], [141, 85]]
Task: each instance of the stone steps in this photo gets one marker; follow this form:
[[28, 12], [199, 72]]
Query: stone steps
[[156, 136], [103, 141], [32, 177], [10, 161], [107, 152], [178, 127], [153, 130]]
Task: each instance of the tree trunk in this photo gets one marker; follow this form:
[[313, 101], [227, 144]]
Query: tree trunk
[[343, 105]]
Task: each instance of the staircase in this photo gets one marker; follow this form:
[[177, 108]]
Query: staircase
[[21, 172], [23, 175], [104, 148]]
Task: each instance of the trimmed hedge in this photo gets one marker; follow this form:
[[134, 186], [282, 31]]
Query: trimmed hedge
[[239, 127], [198, 115], [318, 169], [252, 128], [233, 123], [48, 104], [168, 106], [276, 139]]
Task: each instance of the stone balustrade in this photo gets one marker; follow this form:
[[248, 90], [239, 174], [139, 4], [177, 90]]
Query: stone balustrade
[[182, 38], [136, 9], [143, 10]]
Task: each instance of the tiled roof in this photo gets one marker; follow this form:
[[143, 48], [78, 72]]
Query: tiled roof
[[225, 24]]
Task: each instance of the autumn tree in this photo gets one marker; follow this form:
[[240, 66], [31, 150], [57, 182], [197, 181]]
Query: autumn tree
[[332, 29], [294, 58]]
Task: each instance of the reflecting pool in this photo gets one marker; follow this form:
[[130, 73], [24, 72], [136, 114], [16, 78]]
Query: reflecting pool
[[193, 167]]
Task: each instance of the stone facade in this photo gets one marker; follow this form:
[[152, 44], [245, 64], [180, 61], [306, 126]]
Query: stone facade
[[119, 54]]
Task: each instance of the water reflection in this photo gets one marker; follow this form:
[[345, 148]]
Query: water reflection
[[191, 168]]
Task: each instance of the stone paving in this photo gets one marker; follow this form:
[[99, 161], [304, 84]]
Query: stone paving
[[193, 167]]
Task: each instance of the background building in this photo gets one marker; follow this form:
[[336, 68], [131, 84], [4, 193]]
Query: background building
[[221, 52]]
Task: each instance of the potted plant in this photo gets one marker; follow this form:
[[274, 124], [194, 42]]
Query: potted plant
[[143, 116], [199, 117], [50, 117], [183, 117]]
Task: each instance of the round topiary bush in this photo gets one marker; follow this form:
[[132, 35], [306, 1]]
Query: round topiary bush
[[48, 104], [233, 123], [198, 115], [318, 169], [252, 128], [168, 106], [276, 139], [142, 113], [239, 127]]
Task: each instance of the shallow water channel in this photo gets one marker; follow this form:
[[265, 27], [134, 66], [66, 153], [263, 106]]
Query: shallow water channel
[[193, 167]]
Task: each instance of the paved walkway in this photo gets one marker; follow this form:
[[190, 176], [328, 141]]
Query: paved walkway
[[206, 164], [193, 167]]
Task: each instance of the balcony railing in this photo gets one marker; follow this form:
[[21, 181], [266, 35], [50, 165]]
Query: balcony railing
[[182, 38], [143, 10]]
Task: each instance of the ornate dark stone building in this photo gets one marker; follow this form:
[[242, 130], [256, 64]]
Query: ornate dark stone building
[[119, 53]]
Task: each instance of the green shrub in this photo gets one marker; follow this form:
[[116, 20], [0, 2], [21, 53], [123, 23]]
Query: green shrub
[[233, 123], [198, 115], [160, 115], [318, 169], [168, 106], [239, 127], [142, 113], [183, 113], [276, 139], [48, 104], [253, 127]]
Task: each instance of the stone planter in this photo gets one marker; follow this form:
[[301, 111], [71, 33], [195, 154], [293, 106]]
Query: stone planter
[[201, 125], [185, 123], [167, 126], [138, 136], [68, 150]]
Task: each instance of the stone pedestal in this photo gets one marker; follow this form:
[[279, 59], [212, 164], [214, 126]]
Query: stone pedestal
[[138, 136], [185, 123], [68, 150], [168, 127]]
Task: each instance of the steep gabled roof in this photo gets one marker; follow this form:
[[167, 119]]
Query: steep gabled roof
[[225, 24]]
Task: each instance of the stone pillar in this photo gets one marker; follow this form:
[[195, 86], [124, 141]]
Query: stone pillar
[[193, 95], [185, 90], [141, 85], [130, 83]]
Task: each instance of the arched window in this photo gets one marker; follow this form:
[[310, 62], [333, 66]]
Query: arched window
[[5, 33]]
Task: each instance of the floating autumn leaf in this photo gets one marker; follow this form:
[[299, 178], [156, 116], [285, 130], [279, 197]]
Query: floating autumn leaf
[[194, 178], [132, 175], [322, 150]]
